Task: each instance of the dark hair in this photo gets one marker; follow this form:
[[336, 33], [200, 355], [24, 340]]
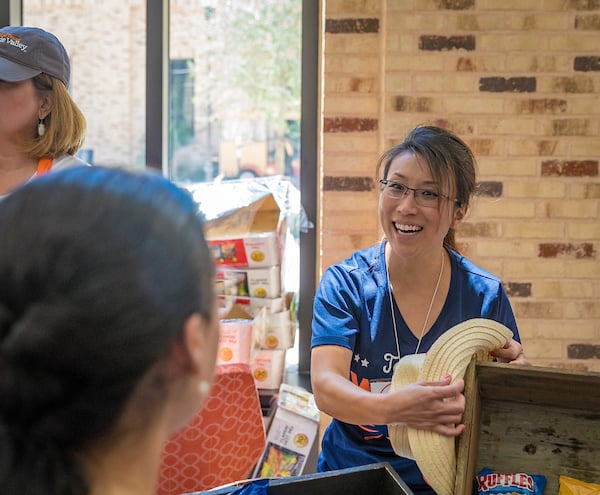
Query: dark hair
[[100, 268], [448, 157]]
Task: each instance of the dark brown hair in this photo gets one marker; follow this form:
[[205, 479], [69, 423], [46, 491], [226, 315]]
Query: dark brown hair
[[448, 157]]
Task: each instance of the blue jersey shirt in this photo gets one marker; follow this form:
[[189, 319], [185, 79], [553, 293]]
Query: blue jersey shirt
[[352, 309]]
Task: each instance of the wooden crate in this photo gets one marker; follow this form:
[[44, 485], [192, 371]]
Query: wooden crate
[[529, 419]]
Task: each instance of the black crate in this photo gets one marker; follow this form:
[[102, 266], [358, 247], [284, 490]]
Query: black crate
[[372, 479]]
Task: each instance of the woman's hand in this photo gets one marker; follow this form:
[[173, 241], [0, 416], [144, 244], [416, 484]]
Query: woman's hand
[[511, 353], [436, 406]]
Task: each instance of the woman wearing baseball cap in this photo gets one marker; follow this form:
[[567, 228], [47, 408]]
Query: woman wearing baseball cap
[[41, 127]]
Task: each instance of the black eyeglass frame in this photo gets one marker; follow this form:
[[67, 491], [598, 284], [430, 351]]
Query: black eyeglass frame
[[438, 196]]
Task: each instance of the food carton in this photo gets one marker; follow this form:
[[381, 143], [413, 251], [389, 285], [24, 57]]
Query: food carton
[[252, 305], [293, 431], [267, 367], [275, 330], [237, 342], [253, 282], [252, 251], [248, 237]]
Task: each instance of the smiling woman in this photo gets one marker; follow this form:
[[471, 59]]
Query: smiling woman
[[396, 299]]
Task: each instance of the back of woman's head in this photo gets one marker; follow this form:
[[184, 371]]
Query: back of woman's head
[[450, 161], [100, 269]]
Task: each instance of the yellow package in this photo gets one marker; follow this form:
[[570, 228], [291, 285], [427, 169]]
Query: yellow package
[[572, 486]]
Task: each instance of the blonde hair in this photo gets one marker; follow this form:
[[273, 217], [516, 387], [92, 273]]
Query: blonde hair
[[65, 124]]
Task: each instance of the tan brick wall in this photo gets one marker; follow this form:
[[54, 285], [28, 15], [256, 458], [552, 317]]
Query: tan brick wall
[[519, 81]]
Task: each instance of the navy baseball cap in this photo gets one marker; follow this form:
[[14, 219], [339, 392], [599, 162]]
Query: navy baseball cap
[[26, 52]]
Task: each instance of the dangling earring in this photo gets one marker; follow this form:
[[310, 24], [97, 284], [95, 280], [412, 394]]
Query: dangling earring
[[204, 388], [41, 128]]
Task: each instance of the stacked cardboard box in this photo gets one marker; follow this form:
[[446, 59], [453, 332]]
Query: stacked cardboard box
[[251, 245], [248, 247]]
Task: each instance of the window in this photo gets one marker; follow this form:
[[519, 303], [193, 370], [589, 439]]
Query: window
[[241, 61], [106, 42], [260, 123]]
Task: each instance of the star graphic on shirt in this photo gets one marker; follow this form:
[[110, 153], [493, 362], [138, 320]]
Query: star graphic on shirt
[[364, 363], [356, 358]]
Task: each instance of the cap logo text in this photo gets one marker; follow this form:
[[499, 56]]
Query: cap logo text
[[9, 39]]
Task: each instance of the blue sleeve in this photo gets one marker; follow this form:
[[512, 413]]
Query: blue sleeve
[[336, 309], [481, 294], [504, 313]]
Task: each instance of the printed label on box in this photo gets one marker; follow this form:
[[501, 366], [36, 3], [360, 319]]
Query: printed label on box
[[278, 331], [252, 282], [235, 341], [267, 367], [279, 462], [291, 435], [258, 250]]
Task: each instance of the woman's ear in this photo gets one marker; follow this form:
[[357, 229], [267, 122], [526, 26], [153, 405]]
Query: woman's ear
[[195, 342], [200, 340], [45, 104], [459, 214]]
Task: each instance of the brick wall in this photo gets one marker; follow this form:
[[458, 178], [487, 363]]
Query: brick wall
[[519, 80], [106, 44]]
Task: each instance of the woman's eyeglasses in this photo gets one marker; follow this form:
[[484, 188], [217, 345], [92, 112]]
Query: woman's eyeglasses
[[423, 197]]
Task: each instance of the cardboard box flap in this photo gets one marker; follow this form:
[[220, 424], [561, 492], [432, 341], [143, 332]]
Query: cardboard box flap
[[236, 311], [262, 215]]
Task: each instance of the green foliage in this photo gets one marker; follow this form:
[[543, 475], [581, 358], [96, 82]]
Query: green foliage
[[254, 48]]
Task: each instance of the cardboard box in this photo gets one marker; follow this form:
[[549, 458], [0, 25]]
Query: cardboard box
[[268, 406], [252, 305], [277, 331], [249, 251], [248, 237], [529, 419], [253, 282], [267, 367], [235, 341], [293, 431], [380, 479], [237, 337]]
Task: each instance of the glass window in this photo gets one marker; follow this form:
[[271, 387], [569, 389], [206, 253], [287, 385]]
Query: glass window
[[234, 73], [106, 42], [235, 67]]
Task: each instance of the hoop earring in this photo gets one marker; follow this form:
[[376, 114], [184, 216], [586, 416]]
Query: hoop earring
[[41, 128]]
